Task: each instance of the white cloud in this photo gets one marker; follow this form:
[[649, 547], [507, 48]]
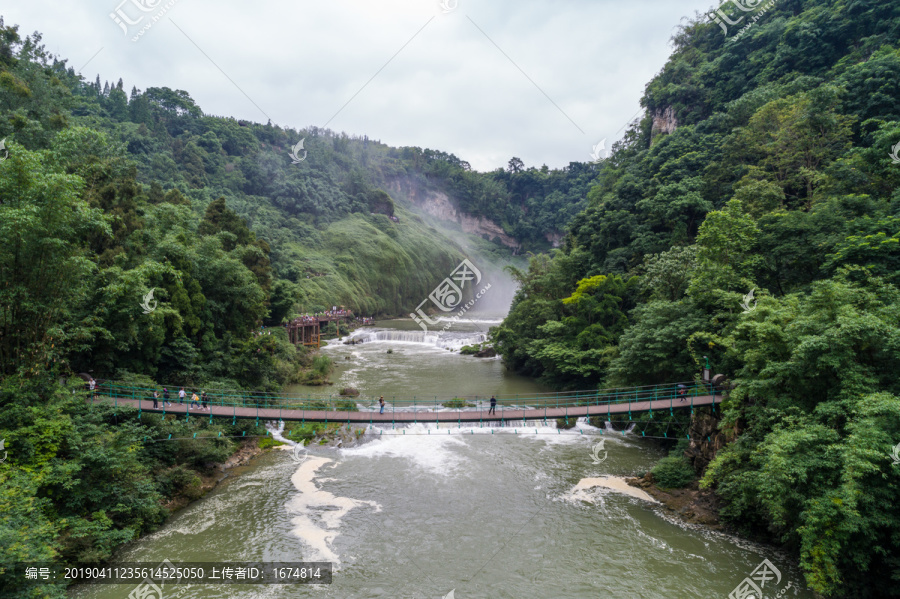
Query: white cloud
[[450, 88]]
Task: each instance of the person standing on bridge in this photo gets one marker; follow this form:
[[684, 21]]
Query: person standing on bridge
[[381, 403], [204, 399], [155, 399], [181, 395], [493, 409]]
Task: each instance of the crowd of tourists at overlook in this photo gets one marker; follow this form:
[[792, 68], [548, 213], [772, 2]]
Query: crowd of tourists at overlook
[[312, 318]]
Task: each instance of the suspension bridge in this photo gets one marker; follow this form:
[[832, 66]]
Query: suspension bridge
[[664, 399]]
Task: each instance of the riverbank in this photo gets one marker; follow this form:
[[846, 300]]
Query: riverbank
[[690, 504], [331, 435]]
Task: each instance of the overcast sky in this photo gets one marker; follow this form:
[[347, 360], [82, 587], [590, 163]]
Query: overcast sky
[[544, 81]]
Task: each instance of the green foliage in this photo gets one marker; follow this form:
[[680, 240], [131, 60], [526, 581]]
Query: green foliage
[[119, 195], [322, 365], [179, 481], [81, 480], [673, 473], [773, 175], [268, 442], [457, 403], [777, 178], [564, 339]]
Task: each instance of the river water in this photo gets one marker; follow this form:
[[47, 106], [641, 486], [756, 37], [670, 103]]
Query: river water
[[453, 512]]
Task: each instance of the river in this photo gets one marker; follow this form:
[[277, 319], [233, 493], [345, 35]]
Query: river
[[453, 512]]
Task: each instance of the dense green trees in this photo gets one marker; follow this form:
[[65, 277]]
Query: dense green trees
[[144, 241], [121, 196], [777, 179]]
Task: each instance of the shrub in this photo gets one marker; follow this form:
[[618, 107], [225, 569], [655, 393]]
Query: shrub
[[457, 403], [267, 442], [673, 473], [180, 481], [341, 405], [322, 365]]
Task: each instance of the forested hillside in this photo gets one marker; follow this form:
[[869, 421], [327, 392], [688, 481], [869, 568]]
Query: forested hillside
[[766, 164], [107, 195], [214, 215]]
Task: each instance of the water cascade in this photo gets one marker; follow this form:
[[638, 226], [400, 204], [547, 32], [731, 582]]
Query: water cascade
[[448, 340]]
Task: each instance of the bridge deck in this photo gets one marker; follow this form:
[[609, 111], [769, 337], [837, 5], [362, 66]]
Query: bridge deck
[[427, 415]]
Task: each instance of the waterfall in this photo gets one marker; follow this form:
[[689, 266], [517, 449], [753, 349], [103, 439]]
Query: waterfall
[[609, 428], [275, 429], [447, 340]]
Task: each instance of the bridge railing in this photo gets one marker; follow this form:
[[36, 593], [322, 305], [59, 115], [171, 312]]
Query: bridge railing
[[677, 395]]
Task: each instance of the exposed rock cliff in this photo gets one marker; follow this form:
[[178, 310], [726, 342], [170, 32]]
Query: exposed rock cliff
[[664, 122], [706, 438], [440, 206]]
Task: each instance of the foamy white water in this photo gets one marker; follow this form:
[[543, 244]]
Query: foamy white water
[[524, 510], [317, 514], [448, 340]]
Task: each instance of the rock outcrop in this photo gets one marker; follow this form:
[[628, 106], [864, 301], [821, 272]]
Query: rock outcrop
[[664, 122], [440, 206], [706, 438]]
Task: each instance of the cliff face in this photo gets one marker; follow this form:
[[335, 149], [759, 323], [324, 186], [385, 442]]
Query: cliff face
[[664, 122], [440, 206], [706, 438]]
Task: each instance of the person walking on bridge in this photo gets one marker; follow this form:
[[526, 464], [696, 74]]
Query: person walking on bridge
[[381, 403], [181, 395], [204, 399], [194, 400], [493, 409], [166, 397]]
